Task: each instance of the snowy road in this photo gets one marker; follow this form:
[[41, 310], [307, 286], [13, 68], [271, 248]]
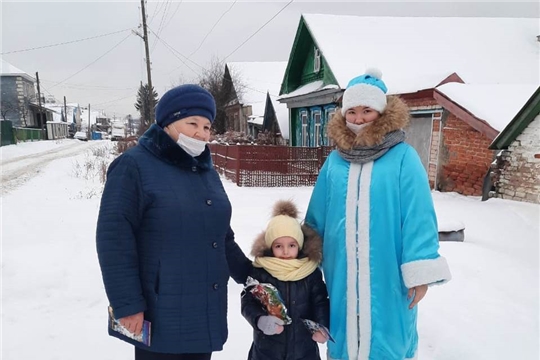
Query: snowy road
[[18, 170], [53, 296]]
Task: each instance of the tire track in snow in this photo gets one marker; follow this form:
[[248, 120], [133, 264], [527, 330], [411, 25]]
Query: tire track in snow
[[17, 171]]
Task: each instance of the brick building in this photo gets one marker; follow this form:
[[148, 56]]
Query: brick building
[[516, 172]]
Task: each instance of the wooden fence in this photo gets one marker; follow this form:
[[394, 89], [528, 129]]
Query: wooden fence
[[269, 166]]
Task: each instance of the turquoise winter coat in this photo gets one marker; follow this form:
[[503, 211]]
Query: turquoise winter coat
[[383, 212]]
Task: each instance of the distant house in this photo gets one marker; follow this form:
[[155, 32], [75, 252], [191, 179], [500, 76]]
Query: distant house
[[19, 100], [516, 171], [416, 55], [70, 113], [254, 107]]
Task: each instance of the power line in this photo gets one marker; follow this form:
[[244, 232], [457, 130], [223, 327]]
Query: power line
[[93, 62], [175, 51], [90, 87], [64, 43], [259, 29], [113, 101], [157, 9], [161, 23], [209, 32], [175, 11]]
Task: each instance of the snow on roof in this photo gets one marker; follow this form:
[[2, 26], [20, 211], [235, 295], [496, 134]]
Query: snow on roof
[[258, 120], [259, 79], [496, 104], [416, 53], [10, 70], [309, 88]]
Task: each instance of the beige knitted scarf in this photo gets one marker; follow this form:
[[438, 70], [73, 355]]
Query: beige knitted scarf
[[286, 270]]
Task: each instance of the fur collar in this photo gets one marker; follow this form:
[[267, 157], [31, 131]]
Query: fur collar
[[156, 140], [394, 117], [312, 246]]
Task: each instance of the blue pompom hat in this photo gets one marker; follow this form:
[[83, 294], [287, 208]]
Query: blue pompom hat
[[365, 90], [183, 101]]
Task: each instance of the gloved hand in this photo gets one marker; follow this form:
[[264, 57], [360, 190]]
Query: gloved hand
[[270, 325]]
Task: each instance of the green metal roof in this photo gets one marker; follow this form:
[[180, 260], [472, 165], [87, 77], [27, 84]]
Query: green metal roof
[[524, 117]]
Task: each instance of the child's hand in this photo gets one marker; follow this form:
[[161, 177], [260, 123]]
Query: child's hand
[[319, 337], [419, 293], [270, 325]]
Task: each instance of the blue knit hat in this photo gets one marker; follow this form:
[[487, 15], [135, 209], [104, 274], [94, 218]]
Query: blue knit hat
[[365, 90], [183, 101]]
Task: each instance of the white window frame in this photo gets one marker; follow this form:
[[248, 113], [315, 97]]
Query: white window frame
[[317, 61], [305, 118], [317, 116], [329, 115]]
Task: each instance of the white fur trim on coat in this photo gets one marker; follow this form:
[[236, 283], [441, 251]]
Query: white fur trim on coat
[[426, 272]]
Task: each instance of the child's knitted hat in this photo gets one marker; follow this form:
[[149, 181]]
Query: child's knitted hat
[[284, 223], [365, 90]]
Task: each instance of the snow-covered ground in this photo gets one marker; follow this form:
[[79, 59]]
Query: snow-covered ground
[[54, 304]]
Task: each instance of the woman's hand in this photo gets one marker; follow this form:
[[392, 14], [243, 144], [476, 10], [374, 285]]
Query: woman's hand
[[319, 337], [419, 292], [133, 323]]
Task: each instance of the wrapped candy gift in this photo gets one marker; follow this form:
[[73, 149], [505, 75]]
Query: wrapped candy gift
[[313, 327], [269, 297]]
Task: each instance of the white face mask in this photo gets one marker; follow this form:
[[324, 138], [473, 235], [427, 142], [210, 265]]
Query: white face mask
[[190, 145], [356, 128]]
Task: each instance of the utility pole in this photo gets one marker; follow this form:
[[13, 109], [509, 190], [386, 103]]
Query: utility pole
[[148, 71], [65, 111], [89, 129], [39, 101]]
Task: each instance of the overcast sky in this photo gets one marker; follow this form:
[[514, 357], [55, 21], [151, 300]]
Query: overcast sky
[[112, 81]]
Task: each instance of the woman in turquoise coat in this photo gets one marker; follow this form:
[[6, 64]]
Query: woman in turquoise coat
[[373, 206]]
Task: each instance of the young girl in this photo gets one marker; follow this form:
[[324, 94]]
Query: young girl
[[287, 256], [372, 205]]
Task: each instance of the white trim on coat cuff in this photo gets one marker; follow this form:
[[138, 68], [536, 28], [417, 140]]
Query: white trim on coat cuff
[[426, 272]]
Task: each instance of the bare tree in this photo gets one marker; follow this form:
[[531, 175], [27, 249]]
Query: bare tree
[[223, 89], [24, 109], [7, 107]]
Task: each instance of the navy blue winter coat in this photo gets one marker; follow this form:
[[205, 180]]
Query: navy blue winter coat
[[304, 299], [165, 245]]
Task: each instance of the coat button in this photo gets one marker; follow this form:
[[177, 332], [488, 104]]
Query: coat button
[[194, 169], [216, 286], [209, 202], [214, 245]]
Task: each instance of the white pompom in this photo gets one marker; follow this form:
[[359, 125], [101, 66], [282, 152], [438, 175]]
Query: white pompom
[[374, 72]]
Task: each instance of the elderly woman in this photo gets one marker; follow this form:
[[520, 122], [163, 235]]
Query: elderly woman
[[164, 241]]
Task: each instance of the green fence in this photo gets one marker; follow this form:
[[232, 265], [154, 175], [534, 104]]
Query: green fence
[[25, 134], [7, 136]]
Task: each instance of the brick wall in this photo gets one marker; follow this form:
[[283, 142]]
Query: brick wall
[[422, 103], [518, 167], [464, 159]]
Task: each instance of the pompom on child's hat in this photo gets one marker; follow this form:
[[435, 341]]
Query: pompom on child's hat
[[365, 90], [284, 223], [184, 101]]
